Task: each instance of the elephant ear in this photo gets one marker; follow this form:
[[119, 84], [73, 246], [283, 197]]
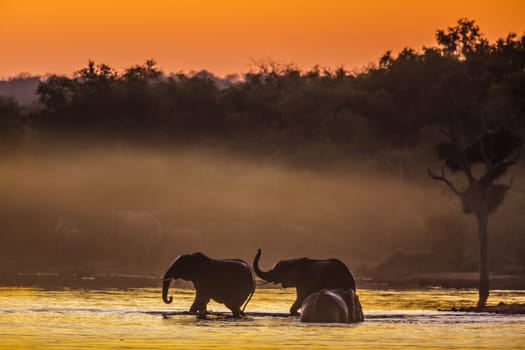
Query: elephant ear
[[282, 273], [296, 272]]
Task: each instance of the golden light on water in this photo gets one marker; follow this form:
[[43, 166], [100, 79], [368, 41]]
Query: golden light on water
[[138, 319]]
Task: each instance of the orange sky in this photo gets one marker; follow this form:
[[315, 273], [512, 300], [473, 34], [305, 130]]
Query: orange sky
[[224, 36]]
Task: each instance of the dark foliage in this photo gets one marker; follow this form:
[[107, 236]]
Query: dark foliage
[[494, 196], [279, 108], [492, 147]]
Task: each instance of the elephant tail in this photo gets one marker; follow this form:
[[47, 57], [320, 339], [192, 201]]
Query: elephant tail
[[247, 301]]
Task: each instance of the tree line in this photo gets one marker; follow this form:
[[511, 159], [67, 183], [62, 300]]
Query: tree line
[[385, 106]]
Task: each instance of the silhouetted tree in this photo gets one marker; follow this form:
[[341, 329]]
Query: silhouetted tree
[[462, 40], [482, 196], [56, 93], [474, 135]]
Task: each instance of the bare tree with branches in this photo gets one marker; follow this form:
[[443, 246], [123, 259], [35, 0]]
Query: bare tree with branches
[[498, 150]]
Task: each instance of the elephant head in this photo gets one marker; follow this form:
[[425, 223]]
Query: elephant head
[[286, 272], [186, 267]]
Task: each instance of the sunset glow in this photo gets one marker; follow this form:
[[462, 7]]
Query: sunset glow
[[59, 36]]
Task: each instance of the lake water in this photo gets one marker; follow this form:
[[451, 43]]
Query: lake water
[[138, 319]]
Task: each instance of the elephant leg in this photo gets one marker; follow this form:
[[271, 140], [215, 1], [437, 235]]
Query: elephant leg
[[349, 298], [236, 310], [199, 304], [301, 295], [354, 306], [359, 309], [294, 309]]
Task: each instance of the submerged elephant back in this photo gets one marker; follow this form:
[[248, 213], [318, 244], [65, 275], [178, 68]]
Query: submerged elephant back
[[326, 307]]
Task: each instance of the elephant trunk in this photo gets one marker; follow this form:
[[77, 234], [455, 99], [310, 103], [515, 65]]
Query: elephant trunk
[[165, 286], [267, 276]]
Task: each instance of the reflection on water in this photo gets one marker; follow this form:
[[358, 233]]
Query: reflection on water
[[138, 319]]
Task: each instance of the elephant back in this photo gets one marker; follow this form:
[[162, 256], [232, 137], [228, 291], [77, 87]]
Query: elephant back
[[232, 280], [332, 274], [324, 306]]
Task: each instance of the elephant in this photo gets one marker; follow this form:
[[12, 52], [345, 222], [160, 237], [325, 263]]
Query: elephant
[[332, 306], [307, 276], [229, 281]]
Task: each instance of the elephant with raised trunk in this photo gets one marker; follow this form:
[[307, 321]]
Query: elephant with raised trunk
[[229, 281], [307, 276], [332, 306]]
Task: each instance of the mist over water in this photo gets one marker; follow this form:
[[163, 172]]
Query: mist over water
[[135, 210], [132, 210]]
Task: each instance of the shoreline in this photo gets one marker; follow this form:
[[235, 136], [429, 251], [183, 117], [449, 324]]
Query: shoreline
[[501, 309], [57, 281], [127, 281]]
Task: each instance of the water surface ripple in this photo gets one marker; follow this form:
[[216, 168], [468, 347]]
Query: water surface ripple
[[138, 319]]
